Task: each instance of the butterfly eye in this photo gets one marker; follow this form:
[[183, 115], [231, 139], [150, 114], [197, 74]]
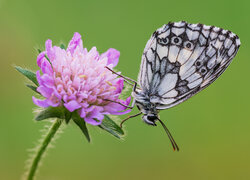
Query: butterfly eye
[[188, 45], [203, 70], [163, 41], [152, 118], [176, 40]]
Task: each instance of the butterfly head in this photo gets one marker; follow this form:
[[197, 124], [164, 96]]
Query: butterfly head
[[150, 119]]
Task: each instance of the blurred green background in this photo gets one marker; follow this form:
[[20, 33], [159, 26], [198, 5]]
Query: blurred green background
[[212, 128]]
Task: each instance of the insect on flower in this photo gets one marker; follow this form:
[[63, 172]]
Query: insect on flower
[[180, 60]]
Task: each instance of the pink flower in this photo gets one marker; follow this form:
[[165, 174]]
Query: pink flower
[[78, 80]]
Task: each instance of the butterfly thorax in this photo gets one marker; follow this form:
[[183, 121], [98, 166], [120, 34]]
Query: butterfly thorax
[[148, 109]]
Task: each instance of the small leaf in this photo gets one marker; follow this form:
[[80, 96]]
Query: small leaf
[[39, 51], [110, 126], [62, 46], [67, 115], [51, 112], [109, 131], [29, 74], [108, 122], [81, 124], [32, 88]]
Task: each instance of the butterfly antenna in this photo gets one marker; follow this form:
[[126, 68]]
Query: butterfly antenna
[[175, 146]]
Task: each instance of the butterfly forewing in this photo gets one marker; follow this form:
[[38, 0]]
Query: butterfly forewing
[[181, 59]]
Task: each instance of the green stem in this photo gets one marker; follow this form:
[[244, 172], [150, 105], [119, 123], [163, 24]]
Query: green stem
[[35, 162]]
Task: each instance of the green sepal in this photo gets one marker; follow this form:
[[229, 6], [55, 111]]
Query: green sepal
[[27, 73], [62, 46], [81, 124], [45, 55], [32, 88], [51, 112], [48, 59], [39, 51], [110, 126], [110, 131], [67, 115]]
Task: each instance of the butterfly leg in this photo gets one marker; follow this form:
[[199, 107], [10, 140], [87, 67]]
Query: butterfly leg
[[129, 118], [129, 107], [127, 79], [133, 102]]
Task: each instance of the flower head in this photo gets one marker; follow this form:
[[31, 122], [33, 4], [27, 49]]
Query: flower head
[[78, 80]]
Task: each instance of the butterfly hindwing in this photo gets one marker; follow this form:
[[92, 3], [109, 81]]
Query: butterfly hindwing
[[181, 59]]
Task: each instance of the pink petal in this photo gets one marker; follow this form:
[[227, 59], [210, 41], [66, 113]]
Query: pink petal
[[121, 113], [82, 113], [92, 121], [117, 109], [53, 104], [112, 55], [47, 80], [46, 67], [49, 50], [72, 105], [93, 53], [41, 103], [38, 77], [119, 86], [74, 43], [40, 58], [46, 92], [94, 117]]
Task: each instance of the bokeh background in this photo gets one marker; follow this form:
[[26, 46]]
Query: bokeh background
[[212, 128]]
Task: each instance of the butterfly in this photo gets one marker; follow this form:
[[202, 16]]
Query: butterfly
[[180, 60]]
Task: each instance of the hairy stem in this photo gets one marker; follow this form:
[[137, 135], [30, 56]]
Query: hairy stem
[[42, 148]]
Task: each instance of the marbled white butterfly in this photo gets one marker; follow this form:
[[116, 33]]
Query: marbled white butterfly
[[179, 60]]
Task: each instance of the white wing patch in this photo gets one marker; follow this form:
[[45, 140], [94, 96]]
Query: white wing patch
[[173, 52], [178, 31], [170, 94], [192, 35], [162, 51], [167, 83], [193, 77], [195, 83], [181, 59], [184, 55]]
